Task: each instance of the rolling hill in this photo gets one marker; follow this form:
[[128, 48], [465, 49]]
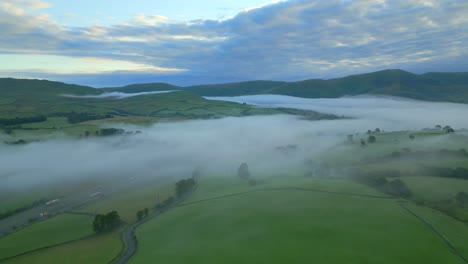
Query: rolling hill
[[32, 98], [437, 86]]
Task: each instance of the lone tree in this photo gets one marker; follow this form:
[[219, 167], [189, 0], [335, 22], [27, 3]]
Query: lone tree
[[196, 173], [243, 171], [363, 143], [184, 186], [411, 136], [448, 129], [107, 222], [371, 139]]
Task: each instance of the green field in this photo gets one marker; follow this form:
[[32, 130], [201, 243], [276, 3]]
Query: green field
[[93, 250], [54, 231], [289, 226]]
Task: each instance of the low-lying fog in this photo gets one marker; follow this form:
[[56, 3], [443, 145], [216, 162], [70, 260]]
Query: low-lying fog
[[219, 145], [115, 95], [391, 113]]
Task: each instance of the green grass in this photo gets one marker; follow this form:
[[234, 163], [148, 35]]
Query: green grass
[[94, 250], [53, 231], [456, 232], [435, 188], [288, 227]]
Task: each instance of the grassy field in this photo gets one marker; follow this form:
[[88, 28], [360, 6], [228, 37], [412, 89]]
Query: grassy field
[[56, 230], [455, 231], [435, 188], [93, 250], [289, 226]]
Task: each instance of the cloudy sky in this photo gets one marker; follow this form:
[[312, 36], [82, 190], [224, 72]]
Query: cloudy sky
[[183, 42]]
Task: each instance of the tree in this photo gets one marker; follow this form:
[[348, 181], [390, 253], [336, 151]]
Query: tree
[[448, 129], [411, 136], [146, 211], [140, 214], [107, 222], [371, 139], [363, 143], [350, 138], [196, 173], [184, 186], [398, 188], [377, 130], [243, 171]]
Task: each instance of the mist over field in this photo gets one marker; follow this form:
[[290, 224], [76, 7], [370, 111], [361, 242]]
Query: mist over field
[[219, 145], [115, 95], [385, 112]]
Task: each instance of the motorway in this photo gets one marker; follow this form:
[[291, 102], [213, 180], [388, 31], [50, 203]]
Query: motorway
[[64, 204]]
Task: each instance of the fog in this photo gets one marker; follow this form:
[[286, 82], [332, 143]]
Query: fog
[[115, 95], [390, 113], [220, 145]]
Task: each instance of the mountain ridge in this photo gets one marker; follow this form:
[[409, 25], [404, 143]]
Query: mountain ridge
[[431, 86]]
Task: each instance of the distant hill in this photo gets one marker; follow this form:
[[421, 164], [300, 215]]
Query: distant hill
[[22, 99], [436, 86], [138, 88]]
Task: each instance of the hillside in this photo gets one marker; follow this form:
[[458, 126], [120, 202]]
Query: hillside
[[33, 98], [450, 87]]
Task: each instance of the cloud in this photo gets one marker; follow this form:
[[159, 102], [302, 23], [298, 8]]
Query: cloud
[[281, 41]]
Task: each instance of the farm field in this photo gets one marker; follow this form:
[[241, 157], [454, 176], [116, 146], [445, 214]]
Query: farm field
[[93, 250], [299, 225], [57, 230]]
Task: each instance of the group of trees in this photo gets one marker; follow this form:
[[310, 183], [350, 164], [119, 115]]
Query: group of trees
[[107, 222], [142, 214], [244, 173], [458, 173], [184, 186], [110, 131], [378, 180], [74, 117], [22, 120]]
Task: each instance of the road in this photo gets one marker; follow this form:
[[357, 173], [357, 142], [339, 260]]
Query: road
[[129, 237], [69, 203]]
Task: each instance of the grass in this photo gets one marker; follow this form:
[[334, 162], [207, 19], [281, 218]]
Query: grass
[[456, 232], [94, 250], [435, 188], [56, 230], [289, 227]]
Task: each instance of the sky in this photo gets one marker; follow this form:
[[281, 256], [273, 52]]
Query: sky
[[112, 43]]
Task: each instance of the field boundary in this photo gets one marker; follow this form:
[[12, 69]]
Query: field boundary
[[436, 231], [47, 247], [289, 189]]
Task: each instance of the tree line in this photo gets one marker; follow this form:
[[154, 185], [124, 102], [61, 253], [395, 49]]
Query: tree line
[[22, 120]]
